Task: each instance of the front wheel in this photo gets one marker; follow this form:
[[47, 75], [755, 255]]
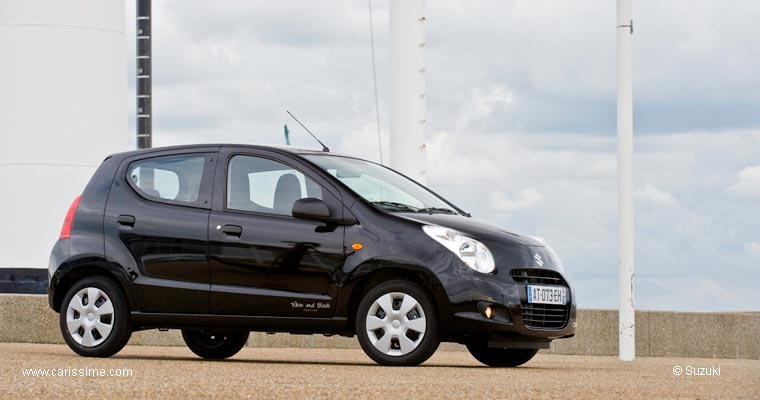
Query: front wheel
[[214, 345], [396, 324], [495, 357]]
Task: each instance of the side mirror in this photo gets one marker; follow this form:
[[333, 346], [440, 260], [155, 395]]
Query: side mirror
[[311, 208]]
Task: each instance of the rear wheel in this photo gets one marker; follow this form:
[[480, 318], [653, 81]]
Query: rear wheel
[[396, 324], [94, 317], [495, 357], [214, 345]]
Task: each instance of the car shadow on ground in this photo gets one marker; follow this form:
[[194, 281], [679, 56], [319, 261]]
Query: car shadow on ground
[[301, 362]]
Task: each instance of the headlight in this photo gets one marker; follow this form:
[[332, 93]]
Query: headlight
[[551, 252], [473, 253]]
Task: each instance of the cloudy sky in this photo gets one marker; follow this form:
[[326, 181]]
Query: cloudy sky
[[521, 120]]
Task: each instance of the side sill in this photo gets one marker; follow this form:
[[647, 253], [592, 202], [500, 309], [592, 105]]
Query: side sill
[[243, 322]]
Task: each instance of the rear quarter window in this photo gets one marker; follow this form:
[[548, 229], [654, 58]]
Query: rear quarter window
[[174, 179]]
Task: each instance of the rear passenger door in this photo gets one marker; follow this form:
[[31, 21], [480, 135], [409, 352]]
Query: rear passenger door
[[156, 227]]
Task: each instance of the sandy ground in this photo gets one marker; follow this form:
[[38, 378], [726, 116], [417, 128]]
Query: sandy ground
[[174, 372]]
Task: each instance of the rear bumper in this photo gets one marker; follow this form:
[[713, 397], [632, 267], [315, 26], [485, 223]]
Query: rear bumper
[[507, 323], [57, 263]]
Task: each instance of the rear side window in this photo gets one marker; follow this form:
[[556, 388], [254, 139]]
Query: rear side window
[[169, 178], [262, 185]]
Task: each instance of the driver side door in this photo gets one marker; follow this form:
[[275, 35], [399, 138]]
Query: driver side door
[[263, 261]]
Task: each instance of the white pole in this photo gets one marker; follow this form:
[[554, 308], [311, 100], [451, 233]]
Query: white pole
[[407, 111], [626, 319]]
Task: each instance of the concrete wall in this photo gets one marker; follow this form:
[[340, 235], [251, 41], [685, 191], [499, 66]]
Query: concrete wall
[[27, 318], [665, 333]]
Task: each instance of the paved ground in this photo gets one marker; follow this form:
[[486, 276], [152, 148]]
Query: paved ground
[[174, 372]]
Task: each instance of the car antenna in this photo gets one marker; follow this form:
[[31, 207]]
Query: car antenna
[[324, 148]]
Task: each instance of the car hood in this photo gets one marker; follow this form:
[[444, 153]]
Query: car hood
[[479, 230]]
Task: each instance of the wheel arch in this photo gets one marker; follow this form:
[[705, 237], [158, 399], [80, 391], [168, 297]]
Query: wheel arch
[[65, 278], [374, 272]]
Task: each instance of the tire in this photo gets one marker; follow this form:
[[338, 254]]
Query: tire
[[214, 345], [94, 317], [495, 357], [397, 339]]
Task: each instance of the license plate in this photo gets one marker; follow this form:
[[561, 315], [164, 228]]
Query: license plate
[[547, 295]]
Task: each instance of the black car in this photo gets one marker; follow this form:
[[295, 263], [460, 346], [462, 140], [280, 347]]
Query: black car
[[221, 240]]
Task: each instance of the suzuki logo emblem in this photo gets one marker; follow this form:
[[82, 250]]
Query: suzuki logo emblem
[[537, 258]]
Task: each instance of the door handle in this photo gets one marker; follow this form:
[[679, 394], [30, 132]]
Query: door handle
[[232, 230], [126, 220]]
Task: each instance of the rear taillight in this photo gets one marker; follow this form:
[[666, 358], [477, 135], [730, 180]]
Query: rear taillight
[[66, 229]]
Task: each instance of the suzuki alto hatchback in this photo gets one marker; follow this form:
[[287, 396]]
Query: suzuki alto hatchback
[[222, 240]]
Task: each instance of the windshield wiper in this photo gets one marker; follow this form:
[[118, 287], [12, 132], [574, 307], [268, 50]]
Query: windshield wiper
[[400, 206], [433, 210]]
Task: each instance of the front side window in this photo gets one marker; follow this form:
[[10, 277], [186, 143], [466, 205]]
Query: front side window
[[263, 185], [173, 178]]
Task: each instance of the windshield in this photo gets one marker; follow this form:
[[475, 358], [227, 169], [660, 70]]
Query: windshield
[[381, 186]]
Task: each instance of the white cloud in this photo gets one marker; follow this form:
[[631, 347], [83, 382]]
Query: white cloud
[[747, 183], [656, 197], [524, 199], [483, 103], [363, 142], [696, 292], [753, 249]]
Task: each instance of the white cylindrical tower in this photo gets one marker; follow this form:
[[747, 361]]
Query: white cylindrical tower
[[63, 108], [407, 111]]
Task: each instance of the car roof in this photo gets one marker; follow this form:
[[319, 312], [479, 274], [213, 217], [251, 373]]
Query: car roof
[[278, 148]]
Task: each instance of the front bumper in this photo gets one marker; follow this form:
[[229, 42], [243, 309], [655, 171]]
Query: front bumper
[[468, 296]]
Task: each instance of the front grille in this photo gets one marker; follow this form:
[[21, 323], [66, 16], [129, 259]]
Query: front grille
[[549, 316], [537, 276], [545, 315]]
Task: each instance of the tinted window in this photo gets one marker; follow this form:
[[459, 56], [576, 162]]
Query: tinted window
[[263, 185], [175, 178]]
